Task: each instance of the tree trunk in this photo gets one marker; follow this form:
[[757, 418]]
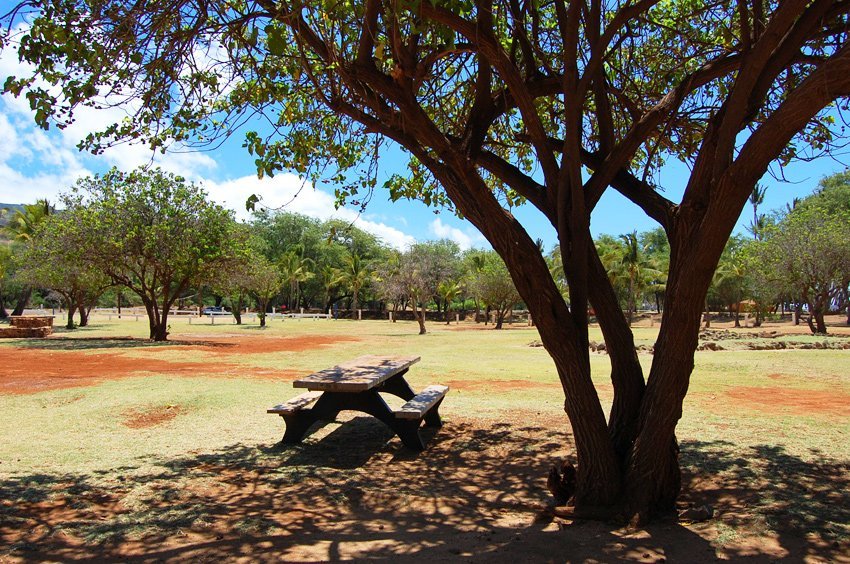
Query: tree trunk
[[72, 308], [737, 311], [626, 372], [160, 332], [84, 315], [817, 315], [23, 300], [5, 314], [420, 317], [499, 318]]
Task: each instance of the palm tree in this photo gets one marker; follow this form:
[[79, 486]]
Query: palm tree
[[295, 269], [330, 278], [629, 268], [448, 291], [757, 199], [22, 227], [25, 221], [355, 274]]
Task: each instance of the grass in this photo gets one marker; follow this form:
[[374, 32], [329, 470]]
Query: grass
[[58, 440]]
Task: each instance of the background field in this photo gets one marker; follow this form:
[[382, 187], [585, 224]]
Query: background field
[[113, 445]]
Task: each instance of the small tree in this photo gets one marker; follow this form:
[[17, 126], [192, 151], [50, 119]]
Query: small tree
[[51, 260], [264, 283], [496, 288], [153, 233], [809, 255]]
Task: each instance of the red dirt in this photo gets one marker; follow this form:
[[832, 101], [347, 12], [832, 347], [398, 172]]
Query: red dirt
[[224, 344], [27, 371], [498, 385], [799, 402], [136, 419]]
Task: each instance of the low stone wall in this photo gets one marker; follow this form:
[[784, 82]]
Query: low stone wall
[[25, 332], [28, 326]]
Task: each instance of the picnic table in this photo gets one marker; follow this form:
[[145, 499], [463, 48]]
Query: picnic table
[[357, 385]]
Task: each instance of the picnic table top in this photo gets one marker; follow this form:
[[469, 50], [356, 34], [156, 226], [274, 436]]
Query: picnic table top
[[358, 375]]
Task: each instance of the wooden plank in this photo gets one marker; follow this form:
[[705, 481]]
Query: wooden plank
[[417, 407], [295, 404], [358, 375]]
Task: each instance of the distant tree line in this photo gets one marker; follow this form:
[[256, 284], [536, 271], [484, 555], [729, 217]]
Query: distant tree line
[[150, 238]]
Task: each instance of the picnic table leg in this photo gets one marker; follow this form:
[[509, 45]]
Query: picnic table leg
[[432, 418], [398, 386], [297, 424], [372, 403]]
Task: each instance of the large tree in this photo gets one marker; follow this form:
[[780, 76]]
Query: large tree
[[497, 102], [153, 233]]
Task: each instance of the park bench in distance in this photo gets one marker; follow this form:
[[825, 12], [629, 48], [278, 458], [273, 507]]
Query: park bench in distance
[[357, 385]]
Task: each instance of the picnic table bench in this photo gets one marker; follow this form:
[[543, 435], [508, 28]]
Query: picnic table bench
[[357, 385]]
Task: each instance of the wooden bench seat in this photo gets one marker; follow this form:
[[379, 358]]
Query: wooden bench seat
[[295, 404], [420, 404]]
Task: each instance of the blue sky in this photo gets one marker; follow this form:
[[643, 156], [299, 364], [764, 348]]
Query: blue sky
[[37, 164]]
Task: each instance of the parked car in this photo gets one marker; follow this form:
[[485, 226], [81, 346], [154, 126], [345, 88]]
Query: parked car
[[212, 310]]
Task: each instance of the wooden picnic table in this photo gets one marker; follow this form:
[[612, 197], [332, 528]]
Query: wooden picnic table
[[357, 385]]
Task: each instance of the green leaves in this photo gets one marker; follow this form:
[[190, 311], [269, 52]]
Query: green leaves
[[275, 40]]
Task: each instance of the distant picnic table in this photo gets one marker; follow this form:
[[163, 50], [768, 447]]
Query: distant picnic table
[[357, 385]]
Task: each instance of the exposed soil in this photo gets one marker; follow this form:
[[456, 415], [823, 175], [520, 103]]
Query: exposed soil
[[226, 344], [498, 385], [151, 417], [29, 371], [796, 401]]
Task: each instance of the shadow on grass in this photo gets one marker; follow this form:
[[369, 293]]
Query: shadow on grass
[[476, 493], [781, 492], [100, 343]]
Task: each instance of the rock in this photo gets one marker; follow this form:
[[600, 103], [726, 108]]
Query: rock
[[697, 514], [562, 482]]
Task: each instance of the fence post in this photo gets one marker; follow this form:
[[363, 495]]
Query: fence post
[[359, 315], [390, 315]]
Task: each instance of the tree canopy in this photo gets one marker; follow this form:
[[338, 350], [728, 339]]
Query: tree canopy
[[496, 103], [153, 233]]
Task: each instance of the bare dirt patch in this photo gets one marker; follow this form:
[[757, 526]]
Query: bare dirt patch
[[151, 416], [498, 385], [59, 363], [797, 401], [261, 344], [27, 371]]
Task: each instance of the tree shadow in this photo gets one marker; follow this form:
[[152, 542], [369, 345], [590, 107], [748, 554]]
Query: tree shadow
[[765, 487], [476, 493]]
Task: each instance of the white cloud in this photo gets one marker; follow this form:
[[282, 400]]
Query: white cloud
[[38, 164], [465, 239], [290, 193]]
